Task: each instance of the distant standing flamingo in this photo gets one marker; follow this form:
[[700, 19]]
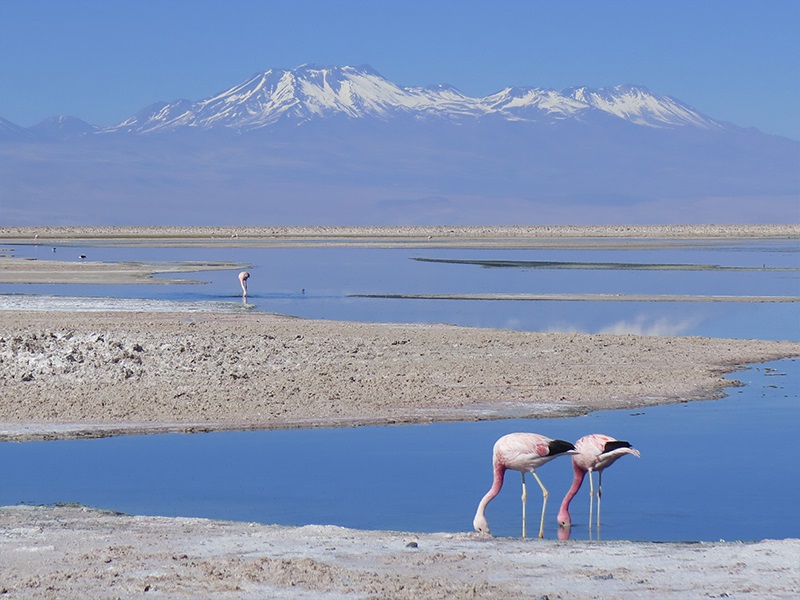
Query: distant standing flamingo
[[522, 452], [596, 453], [243, 277]]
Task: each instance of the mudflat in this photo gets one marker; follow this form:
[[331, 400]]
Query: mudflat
[[76, 374]]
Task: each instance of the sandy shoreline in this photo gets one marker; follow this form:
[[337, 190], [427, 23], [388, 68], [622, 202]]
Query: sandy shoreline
[[23, 270], [75, 374], [66, 552], [406, 236]]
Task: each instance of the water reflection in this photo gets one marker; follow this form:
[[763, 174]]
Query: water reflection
[[320, 283], [709, 470]]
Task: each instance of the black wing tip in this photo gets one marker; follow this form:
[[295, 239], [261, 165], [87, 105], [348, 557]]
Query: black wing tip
[[559, 447], [615, 445]]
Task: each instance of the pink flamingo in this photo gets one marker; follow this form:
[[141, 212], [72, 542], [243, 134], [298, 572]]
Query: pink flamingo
[[596, 452], [243, 277], [522, 452]]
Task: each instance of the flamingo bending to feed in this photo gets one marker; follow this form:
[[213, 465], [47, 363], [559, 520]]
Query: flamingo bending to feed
[[243, 277], [596, 452], [522, 452]]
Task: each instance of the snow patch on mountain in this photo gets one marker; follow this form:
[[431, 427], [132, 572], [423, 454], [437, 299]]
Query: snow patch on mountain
[[640, 107], [524, 103]]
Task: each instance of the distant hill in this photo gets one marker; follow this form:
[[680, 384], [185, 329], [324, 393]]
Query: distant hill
[[343, 145]]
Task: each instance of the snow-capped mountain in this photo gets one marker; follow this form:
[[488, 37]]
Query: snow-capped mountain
[[300, 95], [343, 145], [310, 93]]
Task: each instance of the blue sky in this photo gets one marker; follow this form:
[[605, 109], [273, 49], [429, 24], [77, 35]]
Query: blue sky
[[103, 60]]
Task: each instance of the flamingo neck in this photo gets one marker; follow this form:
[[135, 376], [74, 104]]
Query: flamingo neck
[[564, 518], [497, 485]]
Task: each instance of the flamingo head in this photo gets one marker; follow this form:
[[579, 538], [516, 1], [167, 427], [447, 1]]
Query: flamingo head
[[564, 520], [481, 525]]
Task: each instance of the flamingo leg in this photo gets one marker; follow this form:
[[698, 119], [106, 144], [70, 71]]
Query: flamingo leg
[[591, 498], [599, 495], [524, 504], [545, 494]]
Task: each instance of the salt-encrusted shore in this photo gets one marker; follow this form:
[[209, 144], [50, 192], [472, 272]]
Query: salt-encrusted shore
[[70, 552], [74, 374]]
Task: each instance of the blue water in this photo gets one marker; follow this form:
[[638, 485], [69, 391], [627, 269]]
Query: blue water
[[319, 283], [712, 470], [721, 469]]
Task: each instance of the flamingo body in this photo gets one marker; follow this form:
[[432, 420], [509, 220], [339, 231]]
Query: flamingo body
[[596, 452], [523, 452], [243, 277]]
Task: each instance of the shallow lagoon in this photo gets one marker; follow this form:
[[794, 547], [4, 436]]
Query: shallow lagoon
[[721, 469], [709, 470], [321, 282]]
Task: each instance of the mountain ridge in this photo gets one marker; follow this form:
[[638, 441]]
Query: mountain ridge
[[311, 93], [344, 146]]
